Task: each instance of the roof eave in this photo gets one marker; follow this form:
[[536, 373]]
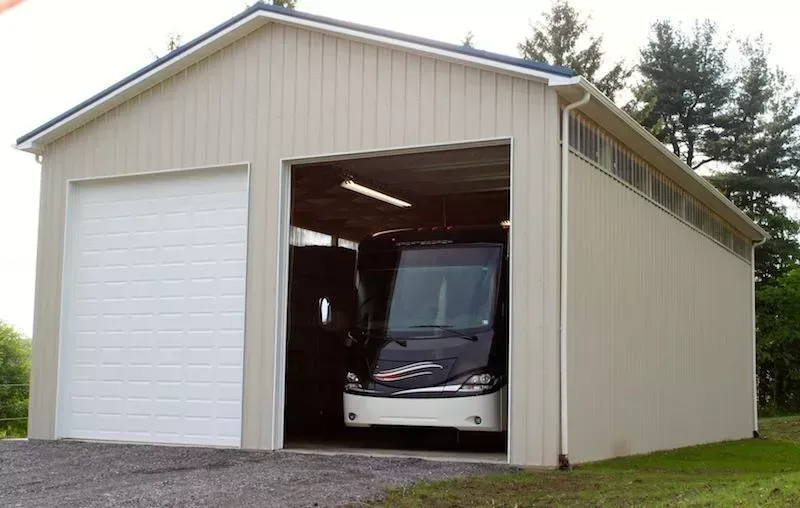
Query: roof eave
[[682, 173]]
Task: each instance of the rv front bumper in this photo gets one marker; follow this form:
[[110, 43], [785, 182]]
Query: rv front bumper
[[477, 413]]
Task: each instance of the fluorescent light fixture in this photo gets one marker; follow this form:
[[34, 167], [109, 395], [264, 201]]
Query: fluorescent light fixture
[[366, 191], [506, 223]]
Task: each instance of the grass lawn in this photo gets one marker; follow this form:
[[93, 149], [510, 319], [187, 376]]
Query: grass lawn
[[752, 472]]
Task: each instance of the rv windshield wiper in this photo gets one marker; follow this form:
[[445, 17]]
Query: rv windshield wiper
[[448, 328], [372, 334]]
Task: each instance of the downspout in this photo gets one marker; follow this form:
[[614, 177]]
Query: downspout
[[753, 298], [563, 458]]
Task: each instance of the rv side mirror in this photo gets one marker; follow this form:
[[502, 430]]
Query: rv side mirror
[[325, 312]]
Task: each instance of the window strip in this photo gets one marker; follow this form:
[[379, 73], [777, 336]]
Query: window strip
[[608, 154]]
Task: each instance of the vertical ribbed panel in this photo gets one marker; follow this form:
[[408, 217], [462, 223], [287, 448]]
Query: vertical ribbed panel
[[283, 91], [660, 333]]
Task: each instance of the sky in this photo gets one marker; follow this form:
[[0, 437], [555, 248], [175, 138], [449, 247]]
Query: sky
[[56, 53]]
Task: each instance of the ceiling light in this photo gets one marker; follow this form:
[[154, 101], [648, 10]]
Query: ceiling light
[[366, 191]]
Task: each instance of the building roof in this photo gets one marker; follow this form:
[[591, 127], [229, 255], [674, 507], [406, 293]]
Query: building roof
[[262, 8], [568, 85]]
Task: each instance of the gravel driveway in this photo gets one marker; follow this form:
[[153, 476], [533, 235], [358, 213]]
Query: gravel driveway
[[59, 473]]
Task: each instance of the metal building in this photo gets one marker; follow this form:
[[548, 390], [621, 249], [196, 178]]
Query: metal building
[[632, 297]]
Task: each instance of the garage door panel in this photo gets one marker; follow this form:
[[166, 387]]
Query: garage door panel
[[153, 328], [230, 268], [120, 225], [198, 373], [145, 222], [198, 289], [227, 375], [228, 299], [141, 373], [230, 234], [143, 289], [202, 253], [89, 275], [109, 290], [225, 410], [232, 251], [228, 356], [110, 323], [202, 356], [171, 303]]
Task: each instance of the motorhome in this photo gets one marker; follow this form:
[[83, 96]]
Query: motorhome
[[429, 346]]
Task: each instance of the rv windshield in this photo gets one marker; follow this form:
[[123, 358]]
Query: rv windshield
[[429, 291]]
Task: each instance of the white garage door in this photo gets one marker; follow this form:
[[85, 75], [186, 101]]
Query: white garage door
[[153, 319]]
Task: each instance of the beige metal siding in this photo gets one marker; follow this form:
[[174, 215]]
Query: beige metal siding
[[282, 92], [660, 331]]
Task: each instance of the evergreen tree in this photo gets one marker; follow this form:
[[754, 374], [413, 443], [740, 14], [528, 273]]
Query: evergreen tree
[[288, 4], [745, 120], [556, 39], [684, 90], [760, 145], [467, 41]]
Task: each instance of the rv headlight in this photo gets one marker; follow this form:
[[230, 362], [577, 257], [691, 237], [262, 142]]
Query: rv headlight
[[352, 381], [478, 383]]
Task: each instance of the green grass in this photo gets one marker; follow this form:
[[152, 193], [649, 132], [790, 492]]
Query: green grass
[[781, 427], [752, 472]]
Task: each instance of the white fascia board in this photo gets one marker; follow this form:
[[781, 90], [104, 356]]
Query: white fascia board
[[609, 105]]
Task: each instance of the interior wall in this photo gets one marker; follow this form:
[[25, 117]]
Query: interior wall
[[285, 92], [660, 332]]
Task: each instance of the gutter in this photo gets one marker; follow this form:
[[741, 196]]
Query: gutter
[[753, 301], [563, 457]]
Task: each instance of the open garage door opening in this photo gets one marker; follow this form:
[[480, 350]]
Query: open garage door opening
[[397, 326]]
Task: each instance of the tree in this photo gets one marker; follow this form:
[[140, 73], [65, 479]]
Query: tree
[[778, 353], [743, 118], [287, 4], [759, 142], [556, 40], [174, 41], [15, 351], [685, 89], [467, 41]]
